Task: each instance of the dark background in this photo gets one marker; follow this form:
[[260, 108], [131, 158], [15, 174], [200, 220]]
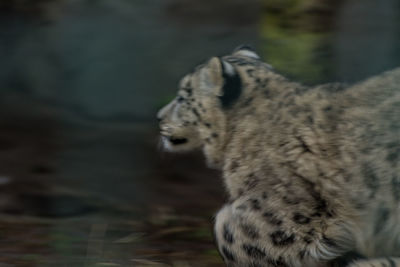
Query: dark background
[[82, 180]]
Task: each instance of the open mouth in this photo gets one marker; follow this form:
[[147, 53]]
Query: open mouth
[[177, 141]]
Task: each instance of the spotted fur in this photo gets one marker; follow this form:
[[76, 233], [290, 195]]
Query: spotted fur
[[312, 173]]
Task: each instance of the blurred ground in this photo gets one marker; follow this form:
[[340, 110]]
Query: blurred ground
[[82, 181], [77, 192]]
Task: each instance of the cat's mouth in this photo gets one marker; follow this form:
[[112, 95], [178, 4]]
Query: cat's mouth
[[175, 140]]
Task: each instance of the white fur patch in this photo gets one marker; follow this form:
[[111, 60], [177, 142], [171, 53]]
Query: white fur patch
[[247, 53], [166, 144], [228, 68]]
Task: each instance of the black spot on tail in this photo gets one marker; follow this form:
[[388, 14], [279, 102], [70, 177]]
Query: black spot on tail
[[227, 234], [250, 231], [280, 238], [227, 254], [253, 252], [280, 262]]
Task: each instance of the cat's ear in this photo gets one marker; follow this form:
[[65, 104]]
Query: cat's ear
[[220, 78], [245, 51]]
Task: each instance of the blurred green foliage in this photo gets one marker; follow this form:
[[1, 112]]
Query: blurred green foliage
[[296, 37]]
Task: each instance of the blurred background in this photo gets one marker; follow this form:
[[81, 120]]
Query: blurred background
[[82, 180]]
